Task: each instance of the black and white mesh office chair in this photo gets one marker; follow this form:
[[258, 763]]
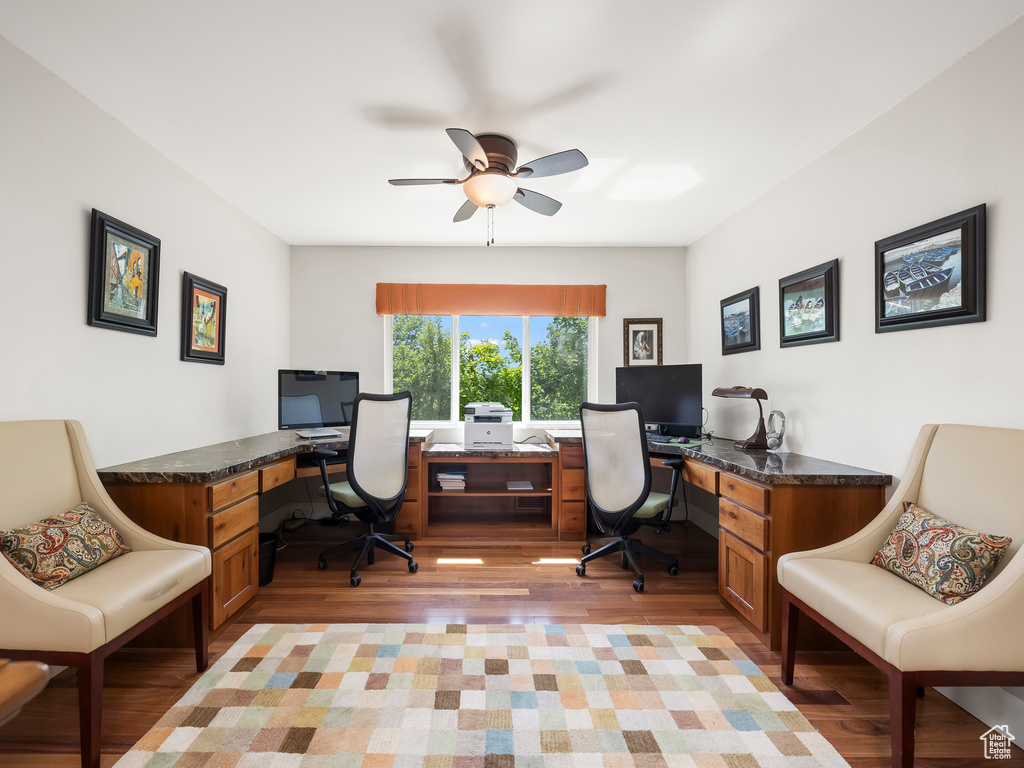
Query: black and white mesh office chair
[[618, 480], [377, 469]]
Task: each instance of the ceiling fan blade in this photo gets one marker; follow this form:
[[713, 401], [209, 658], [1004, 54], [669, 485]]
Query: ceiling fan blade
[[537, 202], [469, 147], [468, 209], [552, 165], [419, 182]]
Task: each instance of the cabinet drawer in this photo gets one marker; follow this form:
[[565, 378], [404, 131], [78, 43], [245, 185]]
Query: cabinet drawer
[[742, 579], [747, 494], [573, 485], [234, 489], [408, 519], [572, 456], [701, 475], [572, 520], [230, 522], [234, 577], [276, 474], [746, 525], [412, 485]]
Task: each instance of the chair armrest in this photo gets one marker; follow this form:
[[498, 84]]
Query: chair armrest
[[673, 464], [862, 545], [986, 623], [40, 620], [96, 496]]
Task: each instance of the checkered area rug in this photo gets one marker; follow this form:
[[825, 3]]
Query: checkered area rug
[[497, 696]]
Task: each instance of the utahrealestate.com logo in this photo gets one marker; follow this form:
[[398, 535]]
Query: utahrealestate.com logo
[[997, 742]]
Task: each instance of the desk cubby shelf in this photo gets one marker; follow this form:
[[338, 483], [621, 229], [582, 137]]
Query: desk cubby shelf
[[486, 508]]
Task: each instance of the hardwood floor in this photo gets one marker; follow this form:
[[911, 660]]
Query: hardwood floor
[[844, 697]]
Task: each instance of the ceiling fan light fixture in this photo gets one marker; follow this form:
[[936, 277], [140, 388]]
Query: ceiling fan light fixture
[[486, 189]]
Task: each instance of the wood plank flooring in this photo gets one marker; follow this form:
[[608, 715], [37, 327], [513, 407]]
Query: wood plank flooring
[[845, 698]]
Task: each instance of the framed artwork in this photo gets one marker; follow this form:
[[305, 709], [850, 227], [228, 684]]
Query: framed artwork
[[933, 274], [124, 276], [641, 341], [203, 314], [741, 322], [809, 306]]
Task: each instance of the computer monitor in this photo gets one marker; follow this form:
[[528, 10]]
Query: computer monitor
[[670, 396], [315, 398]]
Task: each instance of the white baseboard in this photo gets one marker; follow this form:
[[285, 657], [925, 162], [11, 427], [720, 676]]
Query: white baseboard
[[992, 705]]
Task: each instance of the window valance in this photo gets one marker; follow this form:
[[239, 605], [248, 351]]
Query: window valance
[[464, 299]]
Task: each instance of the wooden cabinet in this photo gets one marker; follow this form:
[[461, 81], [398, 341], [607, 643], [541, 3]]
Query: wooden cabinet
[[409, 517], [235, 576], [742, 572], [222, 515]]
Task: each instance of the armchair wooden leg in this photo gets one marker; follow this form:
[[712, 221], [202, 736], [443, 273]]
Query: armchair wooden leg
[[200, 627], [902, 712], [790, 620], [90, 709]]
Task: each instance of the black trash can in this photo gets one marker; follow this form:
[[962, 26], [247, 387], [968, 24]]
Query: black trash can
[[268, 551]]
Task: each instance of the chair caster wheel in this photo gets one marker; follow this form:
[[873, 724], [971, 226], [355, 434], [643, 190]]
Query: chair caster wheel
[[413, 566], [321, 564], [581, 570], [638, 585], [408, 546], [586, 549], [355, 580], [673, 570]]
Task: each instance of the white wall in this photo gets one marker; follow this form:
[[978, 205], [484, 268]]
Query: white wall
[[60, 156], [335, 325], [952, 145]]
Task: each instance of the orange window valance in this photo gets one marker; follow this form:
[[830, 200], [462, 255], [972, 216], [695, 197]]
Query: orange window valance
[[463, 299]]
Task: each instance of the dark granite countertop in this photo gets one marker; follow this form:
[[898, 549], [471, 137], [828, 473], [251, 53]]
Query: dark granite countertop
[[214, 462], [764, 466], [460, 451]]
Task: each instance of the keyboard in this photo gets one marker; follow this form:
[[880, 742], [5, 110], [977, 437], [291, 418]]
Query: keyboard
[[662, 438]]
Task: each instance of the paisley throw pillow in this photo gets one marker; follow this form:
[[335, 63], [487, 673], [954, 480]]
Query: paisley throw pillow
[[946, 560], [59, 548]]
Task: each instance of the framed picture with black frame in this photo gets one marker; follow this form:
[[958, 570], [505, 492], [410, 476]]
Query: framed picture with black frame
[[204, 306], [641, 341], [809, 306], [933, 274], [124, 276], [741, 322]]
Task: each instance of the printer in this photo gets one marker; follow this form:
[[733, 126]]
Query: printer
[[488, 425]]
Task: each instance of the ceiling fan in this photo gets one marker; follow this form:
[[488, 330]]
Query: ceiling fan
[[490, 159]]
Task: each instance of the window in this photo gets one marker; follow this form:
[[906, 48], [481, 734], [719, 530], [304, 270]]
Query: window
[[499, 358]]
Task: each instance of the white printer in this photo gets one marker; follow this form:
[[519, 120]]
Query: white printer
[[488, 425]]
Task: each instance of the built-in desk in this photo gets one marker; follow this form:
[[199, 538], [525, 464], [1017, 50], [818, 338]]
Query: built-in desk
[[210, 496], [768, 504]]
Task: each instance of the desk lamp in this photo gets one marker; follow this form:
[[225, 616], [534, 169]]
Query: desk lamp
[[758, 440]]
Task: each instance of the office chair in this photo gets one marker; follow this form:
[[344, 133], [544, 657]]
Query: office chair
[[618, 481], [377, 469]]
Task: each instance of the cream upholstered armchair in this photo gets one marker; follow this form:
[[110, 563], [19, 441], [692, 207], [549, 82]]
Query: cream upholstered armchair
[[45, 469], [969, 476]]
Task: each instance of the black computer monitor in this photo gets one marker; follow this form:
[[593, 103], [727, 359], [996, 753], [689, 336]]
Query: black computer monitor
[[670, 396], [315, 398]]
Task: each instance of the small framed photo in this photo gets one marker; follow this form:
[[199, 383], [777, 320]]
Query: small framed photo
[[809, 306], [203, 315], [933, 274], [741, 322], [641, 341], [124, 276]]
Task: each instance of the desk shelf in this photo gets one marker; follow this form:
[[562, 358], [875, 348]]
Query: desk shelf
[[486, 508]]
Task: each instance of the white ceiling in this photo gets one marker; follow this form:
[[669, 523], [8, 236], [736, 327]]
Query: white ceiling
[[298, 112]]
